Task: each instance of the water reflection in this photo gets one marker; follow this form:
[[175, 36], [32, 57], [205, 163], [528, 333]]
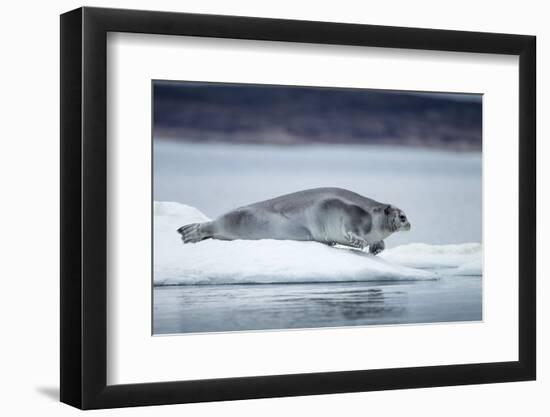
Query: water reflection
[[220, 308], [355, 304]]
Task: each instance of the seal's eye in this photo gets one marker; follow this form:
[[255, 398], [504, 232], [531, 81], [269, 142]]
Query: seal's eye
[[402, 218]]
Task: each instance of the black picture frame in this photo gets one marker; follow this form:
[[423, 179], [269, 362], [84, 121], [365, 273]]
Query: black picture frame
[[84, 207]]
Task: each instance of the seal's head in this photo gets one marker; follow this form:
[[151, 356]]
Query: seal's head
[[396, 219]]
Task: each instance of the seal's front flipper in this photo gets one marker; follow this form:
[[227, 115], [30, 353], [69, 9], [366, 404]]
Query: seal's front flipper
[[194, 232], [355, 241], [377, 247]]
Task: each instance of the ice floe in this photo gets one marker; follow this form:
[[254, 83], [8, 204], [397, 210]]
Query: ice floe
[[280, 261]]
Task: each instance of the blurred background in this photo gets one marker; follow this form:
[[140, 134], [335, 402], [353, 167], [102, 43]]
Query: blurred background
[[256, 114], [220, 146]]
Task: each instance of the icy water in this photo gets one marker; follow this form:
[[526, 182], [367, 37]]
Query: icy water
[[215, 308], [440, 192]]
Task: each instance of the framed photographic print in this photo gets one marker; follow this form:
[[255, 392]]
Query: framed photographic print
[[258, 207]]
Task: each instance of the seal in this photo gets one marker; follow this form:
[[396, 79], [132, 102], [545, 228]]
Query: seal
[[326, 215]]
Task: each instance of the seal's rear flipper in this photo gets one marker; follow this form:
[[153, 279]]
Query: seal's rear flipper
[[194, 232]]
